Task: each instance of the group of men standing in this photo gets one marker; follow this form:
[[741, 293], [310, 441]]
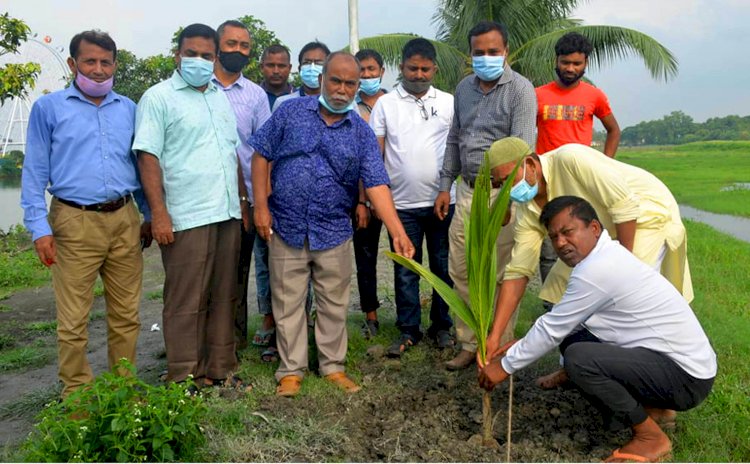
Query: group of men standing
[[222, 169]]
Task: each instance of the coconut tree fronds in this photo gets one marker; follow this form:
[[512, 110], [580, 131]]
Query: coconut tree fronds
[[535, 58]]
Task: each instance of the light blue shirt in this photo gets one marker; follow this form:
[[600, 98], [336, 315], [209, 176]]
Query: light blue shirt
[[250, 105], [194, 136], [78, 151]]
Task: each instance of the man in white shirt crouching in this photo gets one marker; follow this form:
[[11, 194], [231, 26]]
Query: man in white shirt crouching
[[631, 343]]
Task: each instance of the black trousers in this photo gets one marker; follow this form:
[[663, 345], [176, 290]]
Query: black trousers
[[366, 243], [247, 240], [620, 382]]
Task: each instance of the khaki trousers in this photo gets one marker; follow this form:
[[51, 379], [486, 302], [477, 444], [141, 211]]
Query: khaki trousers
[[457, 261], [200, 298], [331, 274], [91, 243]]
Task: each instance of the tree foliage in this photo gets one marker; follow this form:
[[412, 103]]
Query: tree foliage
[[533, 28], [135, 75], [678, 127], [16, 79]]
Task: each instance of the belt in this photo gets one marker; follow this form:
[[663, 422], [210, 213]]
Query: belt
[[106, 207], [472, 182]]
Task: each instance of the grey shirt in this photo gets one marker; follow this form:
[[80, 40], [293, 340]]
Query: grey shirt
[[507, 110]]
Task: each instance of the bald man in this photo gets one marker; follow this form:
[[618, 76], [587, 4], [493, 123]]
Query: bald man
[[320, 149]]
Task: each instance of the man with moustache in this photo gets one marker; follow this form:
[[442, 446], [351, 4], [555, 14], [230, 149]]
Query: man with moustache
[[186, 140], [411, 124], [78, 148], [567, 106], [251, 109], [320, 150], [492, 103], [275, 65]]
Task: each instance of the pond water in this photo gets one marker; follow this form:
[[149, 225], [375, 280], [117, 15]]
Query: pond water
[[10, 203], [738, 227]]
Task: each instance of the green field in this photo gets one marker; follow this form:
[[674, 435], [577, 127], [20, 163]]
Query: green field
[[697, 172]]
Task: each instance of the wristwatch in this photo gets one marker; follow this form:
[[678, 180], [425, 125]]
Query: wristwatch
[[366, 203], [243, 199]]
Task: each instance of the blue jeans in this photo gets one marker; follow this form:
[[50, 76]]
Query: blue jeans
[[263, 283], [421, 224]]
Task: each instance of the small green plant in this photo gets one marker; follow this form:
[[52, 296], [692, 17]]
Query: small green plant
[[120, 418], [97, 315], [5, 308], [23, 357], [481, 229], [43, 326], [155, 295], [6, 341], [98, 288]]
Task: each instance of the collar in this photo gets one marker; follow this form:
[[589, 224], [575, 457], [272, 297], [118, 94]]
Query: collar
[[312, 104], [72, 91], [240, 82], [289, 88], [431, 93], [507, 76], [178, 83]]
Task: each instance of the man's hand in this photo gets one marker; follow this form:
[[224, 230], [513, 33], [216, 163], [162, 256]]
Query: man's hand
[[442, 204], [161, 228], [492, 374], [403, 246], [362, 216], [493, 350], [245, 209], [46, 249], [146, 236], [263, 222]]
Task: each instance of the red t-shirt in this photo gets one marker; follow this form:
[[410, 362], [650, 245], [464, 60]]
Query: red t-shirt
[[567, 115]]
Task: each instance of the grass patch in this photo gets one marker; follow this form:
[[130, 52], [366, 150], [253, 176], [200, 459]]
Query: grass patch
[[43, 326], [5, 308], [155, 295], [24, 357], [6, 341], [98, 288], [697, 172], [19, 265], [97, 315]]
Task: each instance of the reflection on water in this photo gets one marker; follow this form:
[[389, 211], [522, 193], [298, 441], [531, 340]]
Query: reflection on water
[[10, 203], [735, 226]]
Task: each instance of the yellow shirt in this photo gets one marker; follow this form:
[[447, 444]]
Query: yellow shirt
[[619, 193]]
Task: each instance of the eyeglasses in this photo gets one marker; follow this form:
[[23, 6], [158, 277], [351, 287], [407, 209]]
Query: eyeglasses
[[422, 109]]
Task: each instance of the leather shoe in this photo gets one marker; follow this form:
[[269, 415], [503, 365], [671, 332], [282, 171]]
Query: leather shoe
[[462, 360]]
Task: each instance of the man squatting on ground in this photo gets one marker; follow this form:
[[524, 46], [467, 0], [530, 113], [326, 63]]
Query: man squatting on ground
[[631, 343], [78, 145], [320, 150]]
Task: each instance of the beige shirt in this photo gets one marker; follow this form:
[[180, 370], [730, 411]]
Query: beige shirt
[[619, 193]]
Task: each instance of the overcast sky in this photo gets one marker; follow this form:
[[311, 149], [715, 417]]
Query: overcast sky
[[709, 38]]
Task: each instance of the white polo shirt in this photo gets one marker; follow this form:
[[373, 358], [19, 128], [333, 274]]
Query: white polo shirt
[[623, 302], [414, 146]]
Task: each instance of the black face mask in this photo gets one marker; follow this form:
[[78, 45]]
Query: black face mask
[[233, 62], [567, 80]]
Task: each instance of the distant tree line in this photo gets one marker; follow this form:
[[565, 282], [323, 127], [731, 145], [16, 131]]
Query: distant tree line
[[677, 128]]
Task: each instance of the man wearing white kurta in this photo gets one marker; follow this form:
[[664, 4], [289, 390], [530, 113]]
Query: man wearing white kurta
[[632, 344]]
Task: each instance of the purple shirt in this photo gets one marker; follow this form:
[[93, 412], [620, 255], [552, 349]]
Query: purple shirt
[[251, 108], [316, 170]]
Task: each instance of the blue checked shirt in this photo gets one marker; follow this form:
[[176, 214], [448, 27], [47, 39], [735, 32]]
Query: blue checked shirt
[[316, 170]]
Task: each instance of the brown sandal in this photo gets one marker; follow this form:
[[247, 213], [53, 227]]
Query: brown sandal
[[289, 386]]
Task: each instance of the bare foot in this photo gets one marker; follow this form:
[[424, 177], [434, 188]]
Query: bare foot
[[649, 444], [665, 418], [553, 380]]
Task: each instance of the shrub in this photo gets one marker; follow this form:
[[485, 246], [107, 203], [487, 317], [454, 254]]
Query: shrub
[[119, 418]]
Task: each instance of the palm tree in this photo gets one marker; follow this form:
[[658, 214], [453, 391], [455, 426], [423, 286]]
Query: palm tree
[[533, 26]]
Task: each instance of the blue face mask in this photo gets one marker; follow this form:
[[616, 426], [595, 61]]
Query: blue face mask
[[488, 68], [196, 71], [369, 86], [522, 192], [324, 102], [309, 74]]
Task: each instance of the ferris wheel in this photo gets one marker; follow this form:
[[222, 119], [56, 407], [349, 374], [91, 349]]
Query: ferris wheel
[[54, 75]]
